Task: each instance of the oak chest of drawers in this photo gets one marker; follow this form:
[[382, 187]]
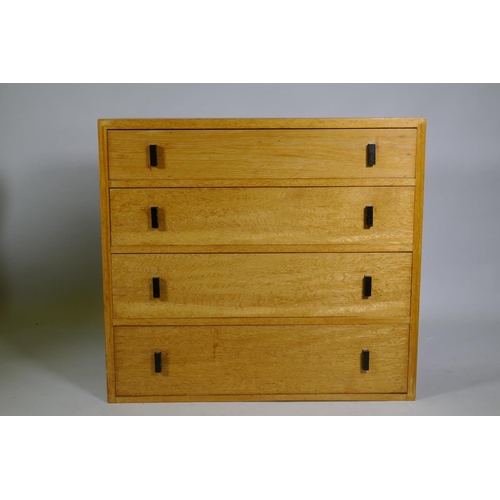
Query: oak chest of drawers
[[261, 259]]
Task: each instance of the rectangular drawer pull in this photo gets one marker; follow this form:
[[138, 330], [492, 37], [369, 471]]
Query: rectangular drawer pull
[[158, 362], [154, 217], [365, 360], [367, 286], [368, 217], [156, 288], [153, 155], [370, 153]]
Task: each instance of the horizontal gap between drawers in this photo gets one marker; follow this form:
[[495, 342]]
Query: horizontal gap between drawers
[[246, 127], [241, 183], [248, 321], [228, 249]]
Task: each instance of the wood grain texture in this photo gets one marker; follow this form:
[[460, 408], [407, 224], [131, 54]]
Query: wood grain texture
[[416, 262], [260, 285], [262, 216], [349, 182], [262, 154], [256, 123], [106, 264], [260, 360]]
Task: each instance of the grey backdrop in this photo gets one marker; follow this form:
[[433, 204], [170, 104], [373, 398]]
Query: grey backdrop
[[51, 336]]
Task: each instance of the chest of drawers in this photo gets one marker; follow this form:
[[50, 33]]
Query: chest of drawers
[[261, 259]]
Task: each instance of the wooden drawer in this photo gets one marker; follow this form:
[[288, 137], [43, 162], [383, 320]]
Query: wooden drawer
[[261, 285], [305, 359], [263, 216], [261, 154]]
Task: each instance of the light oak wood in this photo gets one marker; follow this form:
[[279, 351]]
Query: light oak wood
[[262, 216], [304, 163], [256, 123], [260, 285], [417, 262], [353, 248], [260, 360], [175, 183], [106, 264], [263, 154], [263, 397], [318, 320]]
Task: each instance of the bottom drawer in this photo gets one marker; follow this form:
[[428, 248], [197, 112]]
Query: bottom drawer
[[283, 359]]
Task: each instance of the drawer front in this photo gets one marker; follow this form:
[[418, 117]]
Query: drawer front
[[260, 285], [197, 360], [261, 154], [260, 216]]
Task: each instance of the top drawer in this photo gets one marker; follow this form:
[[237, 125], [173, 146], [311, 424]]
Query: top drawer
[[261, 154]]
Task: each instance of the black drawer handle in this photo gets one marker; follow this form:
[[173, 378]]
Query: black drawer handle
[[158, 366], [154, 217], [156, 288], [365, 360], [153, 155], [367, 286], [368, 217], [371, 154]]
